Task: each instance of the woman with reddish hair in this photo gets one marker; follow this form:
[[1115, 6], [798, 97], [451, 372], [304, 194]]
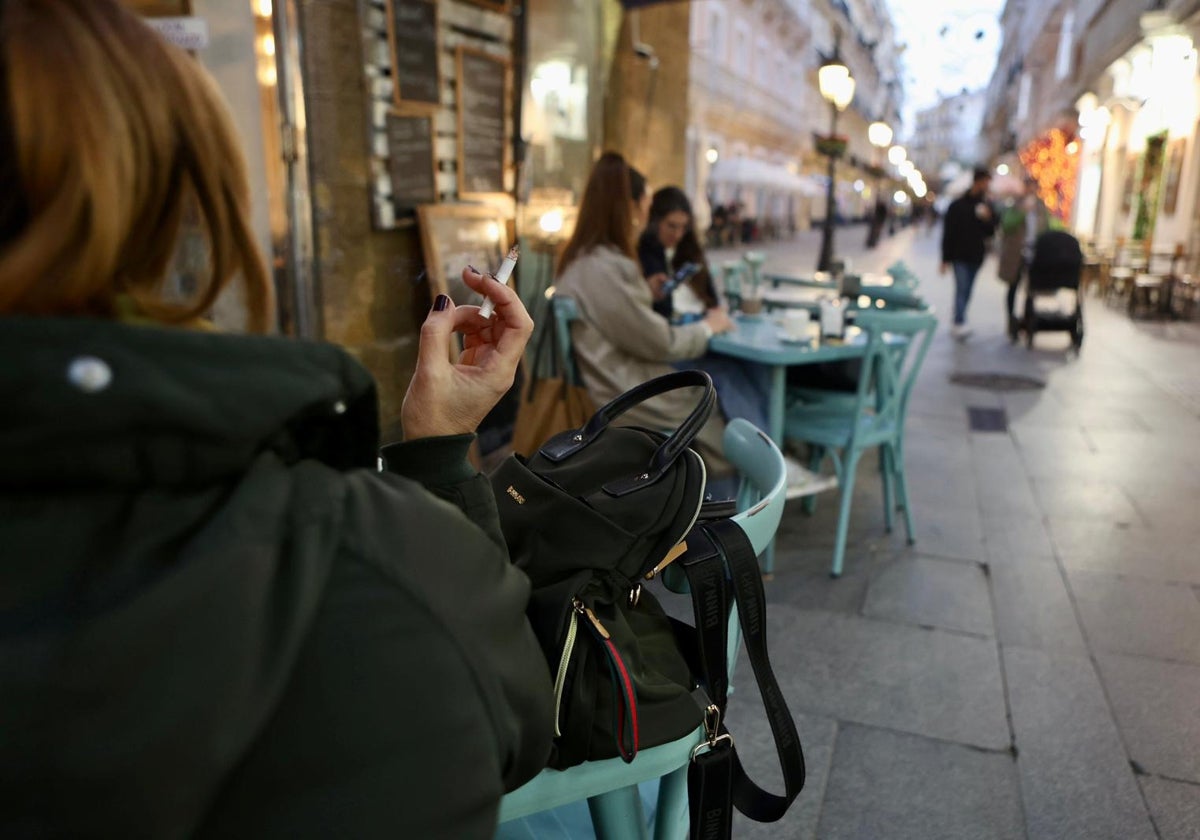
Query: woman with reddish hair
[[218, 617]]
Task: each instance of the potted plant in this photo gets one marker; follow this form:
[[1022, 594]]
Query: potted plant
[[831, 145]]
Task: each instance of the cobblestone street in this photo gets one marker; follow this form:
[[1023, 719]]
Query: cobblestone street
[[1031, 667]]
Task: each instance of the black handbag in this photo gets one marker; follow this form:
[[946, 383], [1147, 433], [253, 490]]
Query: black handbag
[[591, 516]]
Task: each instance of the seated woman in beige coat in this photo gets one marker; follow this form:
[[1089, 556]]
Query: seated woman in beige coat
[[620, 341]]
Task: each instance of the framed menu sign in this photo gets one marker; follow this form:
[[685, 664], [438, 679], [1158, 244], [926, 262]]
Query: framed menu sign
[[411, 162], [454, 236], [482, 93], [413, 35]]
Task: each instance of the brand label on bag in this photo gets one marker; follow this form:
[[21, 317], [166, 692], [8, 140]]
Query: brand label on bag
[[517, 497]]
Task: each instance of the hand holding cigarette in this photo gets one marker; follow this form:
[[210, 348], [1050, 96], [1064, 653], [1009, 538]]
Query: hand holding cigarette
[[501, 276]]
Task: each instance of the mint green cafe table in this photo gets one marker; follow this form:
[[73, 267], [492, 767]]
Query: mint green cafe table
[[758, 339]]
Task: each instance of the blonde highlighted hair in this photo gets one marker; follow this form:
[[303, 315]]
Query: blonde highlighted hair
[[109, 136]]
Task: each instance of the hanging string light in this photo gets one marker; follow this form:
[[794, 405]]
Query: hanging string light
[[1053, 161]]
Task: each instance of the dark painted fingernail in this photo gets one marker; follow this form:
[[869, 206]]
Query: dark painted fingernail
[[474, 269], [440, 302]]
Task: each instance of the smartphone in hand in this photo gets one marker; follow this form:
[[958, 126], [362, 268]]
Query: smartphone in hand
[[686, 272]]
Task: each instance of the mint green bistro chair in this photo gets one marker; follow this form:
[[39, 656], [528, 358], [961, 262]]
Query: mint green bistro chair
[[844, 426], [611, 786], [564, 310]]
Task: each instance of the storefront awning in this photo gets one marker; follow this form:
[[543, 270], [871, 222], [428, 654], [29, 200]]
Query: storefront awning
[[747, 172]]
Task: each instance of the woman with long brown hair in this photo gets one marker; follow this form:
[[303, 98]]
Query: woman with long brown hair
[[620, 341], [218, 617]]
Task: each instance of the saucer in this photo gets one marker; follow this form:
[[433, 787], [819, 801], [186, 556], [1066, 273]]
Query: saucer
[[787, 339]]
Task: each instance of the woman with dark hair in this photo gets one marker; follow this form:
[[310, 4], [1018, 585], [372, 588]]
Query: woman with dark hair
[[619, 340], [668, 243]]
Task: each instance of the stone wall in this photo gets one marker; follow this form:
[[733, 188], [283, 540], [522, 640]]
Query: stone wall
[[646, 112], [367, 299]]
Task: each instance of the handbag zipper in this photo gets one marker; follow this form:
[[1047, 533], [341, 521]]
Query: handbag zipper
[[584, 610], [625, 709], [560, 678]]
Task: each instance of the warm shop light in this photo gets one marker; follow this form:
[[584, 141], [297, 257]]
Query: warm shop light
[[900, 197], [712, 156], [1002, 169], [551, 221], [262, 8], [897, 155]]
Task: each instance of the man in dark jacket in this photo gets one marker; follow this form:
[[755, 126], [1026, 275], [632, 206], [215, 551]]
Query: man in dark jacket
[[970, 222]]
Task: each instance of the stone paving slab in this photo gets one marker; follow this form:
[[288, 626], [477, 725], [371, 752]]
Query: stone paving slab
[[1033, 607], [1007, 537], [1152, 553], [1134, 616], [1175, 807], [927, 682], [1075, 779], [929, 592], [903, 787], [945, 532], [1068, 499], [1157, 707]]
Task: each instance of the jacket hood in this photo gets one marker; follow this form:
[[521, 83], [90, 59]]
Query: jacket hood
[[169, 518], [90, 403]]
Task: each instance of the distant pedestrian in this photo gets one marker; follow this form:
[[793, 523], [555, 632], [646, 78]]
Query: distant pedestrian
[[970, 223], [879, 217], [1020, 226]]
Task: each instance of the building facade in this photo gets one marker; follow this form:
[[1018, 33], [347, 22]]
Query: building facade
[[946, 136], [755, 105], [1106, 95]]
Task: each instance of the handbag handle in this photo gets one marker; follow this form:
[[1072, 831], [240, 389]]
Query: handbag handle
[[561, 447]]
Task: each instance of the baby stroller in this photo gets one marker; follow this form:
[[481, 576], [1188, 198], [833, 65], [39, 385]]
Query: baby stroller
[[1052, 299]]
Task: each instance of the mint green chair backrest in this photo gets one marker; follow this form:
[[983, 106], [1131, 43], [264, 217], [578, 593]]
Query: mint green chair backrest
[[565, 311], [891, 369]]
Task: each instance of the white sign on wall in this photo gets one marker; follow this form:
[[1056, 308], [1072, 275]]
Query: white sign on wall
[[189, 33]]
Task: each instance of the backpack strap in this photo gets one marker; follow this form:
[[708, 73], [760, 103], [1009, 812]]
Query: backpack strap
[[716, 776]]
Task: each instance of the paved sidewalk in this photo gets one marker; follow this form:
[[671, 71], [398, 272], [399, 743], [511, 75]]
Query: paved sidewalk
[[1031, 667]]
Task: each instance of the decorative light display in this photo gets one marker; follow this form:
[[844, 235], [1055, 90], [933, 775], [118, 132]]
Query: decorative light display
[[1053, 161]]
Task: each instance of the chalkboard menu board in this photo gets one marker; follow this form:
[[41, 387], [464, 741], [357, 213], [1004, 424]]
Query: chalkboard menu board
[[411, 161], [482, 94], [454, 236], [413, 32]]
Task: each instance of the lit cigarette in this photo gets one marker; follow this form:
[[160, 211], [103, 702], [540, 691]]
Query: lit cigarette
[[501, 276]]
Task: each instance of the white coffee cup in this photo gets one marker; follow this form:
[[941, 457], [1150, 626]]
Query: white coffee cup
[[795, 324], [833, 317]]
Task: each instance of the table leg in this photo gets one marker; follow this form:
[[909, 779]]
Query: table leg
[[776, 404], [775, 409]]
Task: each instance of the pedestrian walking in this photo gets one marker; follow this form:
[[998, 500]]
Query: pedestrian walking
[[970, 223], [1020, 226]]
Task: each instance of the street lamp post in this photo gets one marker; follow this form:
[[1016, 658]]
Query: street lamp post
[[837, 88], [880, 135]]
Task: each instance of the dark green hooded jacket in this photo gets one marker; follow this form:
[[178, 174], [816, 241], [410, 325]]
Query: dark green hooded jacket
[[219, 620]]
